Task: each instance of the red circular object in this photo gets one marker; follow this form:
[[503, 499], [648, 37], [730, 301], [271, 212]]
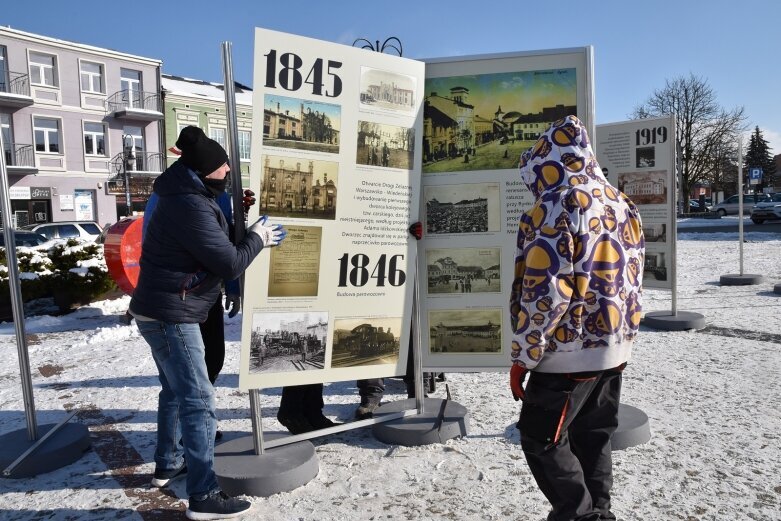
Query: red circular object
[[122, 250]]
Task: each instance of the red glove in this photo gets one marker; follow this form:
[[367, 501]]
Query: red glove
[[248, 200], [517, 376], [416, 229]]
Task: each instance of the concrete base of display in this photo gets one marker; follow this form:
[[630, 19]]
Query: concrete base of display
[[633, 428], [441, 420], [777, 288], [666, 321], [282, 469], [734, 279], [62, 448]]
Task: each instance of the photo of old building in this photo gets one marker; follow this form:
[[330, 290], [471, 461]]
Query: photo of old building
[[294, 187], [466, 208], [463, 270], [288, 341], [484, 122], [644, 187], [465, 331], [387, 90], [301, 124]]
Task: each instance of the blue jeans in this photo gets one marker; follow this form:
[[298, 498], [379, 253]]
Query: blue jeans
[[186, 408]]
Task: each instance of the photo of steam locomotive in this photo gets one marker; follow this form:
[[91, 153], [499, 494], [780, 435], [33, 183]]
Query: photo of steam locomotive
[[282, 342], [365, 341]]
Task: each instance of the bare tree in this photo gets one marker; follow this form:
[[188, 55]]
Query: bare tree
[[706, 133]]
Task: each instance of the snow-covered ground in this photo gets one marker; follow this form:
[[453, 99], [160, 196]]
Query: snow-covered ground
[[712, 398]]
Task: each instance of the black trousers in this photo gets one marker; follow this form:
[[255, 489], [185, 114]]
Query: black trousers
[[566, 423], [301, 400], [213, 334], [372, 389]]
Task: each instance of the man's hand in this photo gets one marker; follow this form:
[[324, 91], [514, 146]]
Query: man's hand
[[232, 304], [416, 229], [517, 376], [270, 235]]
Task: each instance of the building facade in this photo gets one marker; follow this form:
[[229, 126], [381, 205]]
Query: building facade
[[75, 120], [202, 104], [288, 188]]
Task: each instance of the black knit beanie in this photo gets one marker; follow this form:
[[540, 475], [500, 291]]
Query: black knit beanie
[[202, 154]]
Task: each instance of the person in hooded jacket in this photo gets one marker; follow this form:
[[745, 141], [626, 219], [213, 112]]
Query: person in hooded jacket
[[186, 254], [575, 311]]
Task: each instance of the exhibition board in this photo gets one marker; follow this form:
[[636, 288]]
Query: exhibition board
[[480, 114], [336, 145], [638, 158]]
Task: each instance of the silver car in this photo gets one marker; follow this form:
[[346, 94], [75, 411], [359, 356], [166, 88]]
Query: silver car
[[767, 210], [731, 205]]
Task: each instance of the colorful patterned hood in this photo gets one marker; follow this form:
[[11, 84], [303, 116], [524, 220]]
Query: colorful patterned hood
[[575, 303]]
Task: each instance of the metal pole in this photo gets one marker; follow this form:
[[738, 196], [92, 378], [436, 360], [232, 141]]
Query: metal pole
[[674, 231], [233, 141], [238, 213], [16, 299], [740, 202], [127, 155], [417, 359]]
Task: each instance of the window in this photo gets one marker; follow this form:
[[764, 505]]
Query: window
[[68, 230], [217, 134], [130, 83], [94, 139], [47, 135], [43, 69], [244, 145], [47, 231], [91, 228], [91, 77], [3, 70]]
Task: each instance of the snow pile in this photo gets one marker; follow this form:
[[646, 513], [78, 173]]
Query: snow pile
[[712, 398]]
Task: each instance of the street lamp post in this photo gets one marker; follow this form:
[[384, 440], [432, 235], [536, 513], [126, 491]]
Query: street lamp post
[[127, 156]]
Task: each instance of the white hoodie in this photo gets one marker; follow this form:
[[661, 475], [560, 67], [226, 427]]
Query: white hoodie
[[575, 302]]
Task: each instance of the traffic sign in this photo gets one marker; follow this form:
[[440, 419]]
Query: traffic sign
[[755, 175]]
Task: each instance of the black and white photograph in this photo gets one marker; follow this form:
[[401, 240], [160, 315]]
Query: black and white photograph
[[465, 331], [301, 124], [387, 90], [288, 341], [655, 232], [296, 187], [365, 341], [644, 187], [463, 270], [464, 208], [655, 265], [387, 146], [645, 157]]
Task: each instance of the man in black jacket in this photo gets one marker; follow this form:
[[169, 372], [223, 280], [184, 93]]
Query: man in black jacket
[[186, 254]]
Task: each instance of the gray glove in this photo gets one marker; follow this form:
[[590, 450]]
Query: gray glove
[[232, 304], [270, 235]]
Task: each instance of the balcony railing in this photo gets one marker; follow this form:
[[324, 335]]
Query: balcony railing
[[125, 100], [18, 155], [139, 163], [15, 83]]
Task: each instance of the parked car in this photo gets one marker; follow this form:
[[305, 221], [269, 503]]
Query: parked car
[[24, 238], [694, 206], [65, 230], [767, 210], [731, 205]]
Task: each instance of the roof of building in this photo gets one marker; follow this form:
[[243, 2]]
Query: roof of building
[[84, 47], [204, 89]]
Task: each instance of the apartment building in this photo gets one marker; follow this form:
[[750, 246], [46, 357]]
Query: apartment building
[[82, 128], [202, 104]]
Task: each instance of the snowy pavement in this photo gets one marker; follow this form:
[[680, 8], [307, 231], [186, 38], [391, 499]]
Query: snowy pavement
[[712, 398]]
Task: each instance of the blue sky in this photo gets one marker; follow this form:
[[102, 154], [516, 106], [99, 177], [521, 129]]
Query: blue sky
[[735, 45]]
